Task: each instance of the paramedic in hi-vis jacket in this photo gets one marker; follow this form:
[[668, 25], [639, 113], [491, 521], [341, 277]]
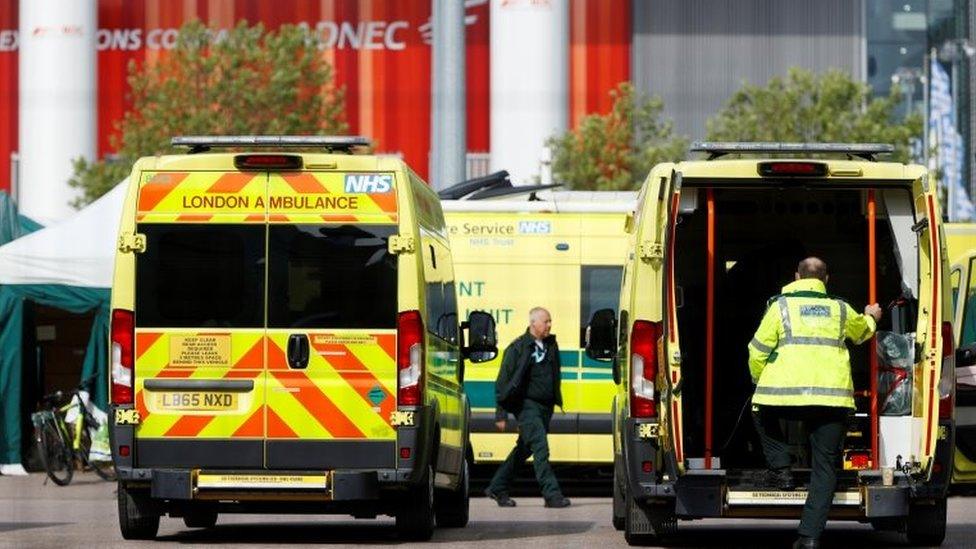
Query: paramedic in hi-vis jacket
[[802, 371]]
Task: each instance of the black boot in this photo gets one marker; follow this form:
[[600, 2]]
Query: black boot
[[806, 543]]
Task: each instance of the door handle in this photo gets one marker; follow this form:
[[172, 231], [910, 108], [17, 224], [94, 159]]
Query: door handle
[[298, 351]]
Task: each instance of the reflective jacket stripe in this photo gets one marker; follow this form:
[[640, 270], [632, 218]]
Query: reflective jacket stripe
[[760, 346], [804, 391]]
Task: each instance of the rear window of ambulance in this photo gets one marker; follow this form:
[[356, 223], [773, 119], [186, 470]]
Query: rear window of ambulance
[[331, 277], [201, 276]]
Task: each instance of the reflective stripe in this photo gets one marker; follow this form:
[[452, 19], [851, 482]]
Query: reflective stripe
[[804, 391], [810, 340], [784, 313], [760, 346], [864, 334], [843, 320]]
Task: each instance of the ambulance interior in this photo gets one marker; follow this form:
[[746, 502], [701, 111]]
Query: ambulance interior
[[759, 237]]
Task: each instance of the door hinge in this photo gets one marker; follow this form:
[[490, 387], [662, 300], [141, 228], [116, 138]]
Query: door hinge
[[132, 242], [400, 244], [650, 251]]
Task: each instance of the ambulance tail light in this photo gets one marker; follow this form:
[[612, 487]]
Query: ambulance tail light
[[410, 358], [947, 381], [123, 355], [644, 337]]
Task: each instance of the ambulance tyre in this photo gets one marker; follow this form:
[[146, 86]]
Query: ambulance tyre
[[452, 506], [926, 524], [200, 518], [137, 518], [415, 518], [619, 504]]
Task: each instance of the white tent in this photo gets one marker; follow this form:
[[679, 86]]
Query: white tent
[[68, 266], [79, 251]]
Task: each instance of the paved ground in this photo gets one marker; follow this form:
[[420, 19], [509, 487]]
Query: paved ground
[[35, 514]]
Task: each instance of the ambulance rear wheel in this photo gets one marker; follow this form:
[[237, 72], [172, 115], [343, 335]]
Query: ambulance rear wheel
[[926, 524], [415, 518], [452, 506], [137, 518], [619, 504]]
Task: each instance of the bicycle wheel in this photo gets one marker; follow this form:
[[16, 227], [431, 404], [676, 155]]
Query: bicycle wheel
[[55, 454]]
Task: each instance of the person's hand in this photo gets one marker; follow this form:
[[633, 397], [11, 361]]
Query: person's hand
[[873, 310], [501, 424]]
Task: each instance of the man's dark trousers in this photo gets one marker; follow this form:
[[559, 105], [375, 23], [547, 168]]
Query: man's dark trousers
[[533, 422], [826, 427]]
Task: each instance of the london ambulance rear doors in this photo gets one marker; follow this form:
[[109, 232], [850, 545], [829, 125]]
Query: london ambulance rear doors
[[265, 319]]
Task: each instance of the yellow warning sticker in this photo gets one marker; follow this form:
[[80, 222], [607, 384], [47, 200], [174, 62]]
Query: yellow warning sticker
[[205, 480], [199, 350], [345, 339]]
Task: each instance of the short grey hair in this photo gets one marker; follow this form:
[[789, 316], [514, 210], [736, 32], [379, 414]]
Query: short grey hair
[[812, 267], [536, 311]]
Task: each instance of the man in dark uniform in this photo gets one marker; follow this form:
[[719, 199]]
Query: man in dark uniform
[[528, 387]]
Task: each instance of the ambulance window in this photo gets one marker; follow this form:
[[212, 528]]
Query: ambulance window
[[197, 276], [331, 277], [968, 333], [954, 278], [599, 289]]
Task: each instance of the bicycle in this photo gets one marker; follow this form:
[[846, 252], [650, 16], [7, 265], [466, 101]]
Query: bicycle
[[61, 442]]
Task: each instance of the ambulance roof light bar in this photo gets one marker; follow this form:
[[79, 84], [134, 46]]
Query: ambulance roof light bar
[[717, 149], [203, 143]]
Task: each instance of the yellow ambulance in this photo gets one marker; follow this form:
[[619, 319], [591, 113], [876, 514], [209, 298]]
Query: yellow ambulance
[[710, 242], [562, 251], [285, 337], [963, 283]]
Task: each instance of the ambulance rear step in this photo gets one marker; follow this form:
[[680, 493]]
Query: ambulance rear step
[[754, 498]]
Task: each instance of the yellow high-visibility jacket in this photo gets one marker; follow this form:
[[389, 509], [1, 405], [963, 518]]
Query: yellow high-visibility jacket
[[799, 356]]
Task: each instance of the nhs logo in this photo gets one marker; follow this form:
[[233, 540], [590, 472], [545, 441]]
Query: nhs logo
[[372, 183], [534, 227]]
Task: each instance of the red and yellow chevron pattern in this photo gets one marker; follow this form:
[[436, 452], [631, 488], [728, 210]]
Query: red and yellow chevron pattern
[[257, 197], [348, 389]]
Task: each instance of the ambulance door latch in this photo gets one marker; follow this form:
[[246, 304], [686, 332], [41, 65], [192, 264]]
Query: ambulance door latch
[[400, 244], [132, 242]]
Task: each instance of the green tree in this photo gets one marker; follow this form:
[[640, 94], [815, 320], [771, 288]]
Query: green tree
[[808, 107], [245, 81], [615, 151]]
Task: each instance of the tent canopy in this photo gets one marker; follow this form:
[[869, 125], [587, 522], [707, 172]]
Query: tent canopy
[[67, 265]]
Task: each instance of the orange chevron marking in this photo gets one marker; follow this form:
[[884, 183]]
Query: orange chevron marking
[[194, 217], [141, 406], [318, 405], [278, 217], [277, 428], [144, 341], [231, 182], [276, 357], [387, 342], [339, 218], [387, 202], [253, 358], [253, 427], [153, 192], [357, 375], [245, 374], [189, 426], [254, 217], [304, 183]]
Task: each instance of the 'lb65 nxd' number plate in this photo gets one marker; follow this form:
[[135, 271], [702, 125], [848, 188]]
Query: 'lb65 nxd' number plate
[[208, 401]]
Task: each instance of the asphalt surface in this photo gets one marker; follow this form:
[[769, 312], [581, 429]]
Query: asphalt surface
[[38, 514]]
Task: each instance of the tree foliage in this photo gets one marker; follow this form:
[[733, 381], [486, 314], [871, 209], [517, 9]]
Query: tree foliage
[[808, 107], [615, 151], [243, 81]]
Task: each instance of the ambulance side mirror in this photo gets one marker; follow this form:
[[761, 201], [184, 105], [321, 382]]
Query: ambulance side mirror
[[601, 335], [966, 356], [482, 339]]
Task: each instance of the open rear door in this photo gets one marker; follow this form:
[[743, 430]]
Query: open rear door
[[667, 217], [932, 298]]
